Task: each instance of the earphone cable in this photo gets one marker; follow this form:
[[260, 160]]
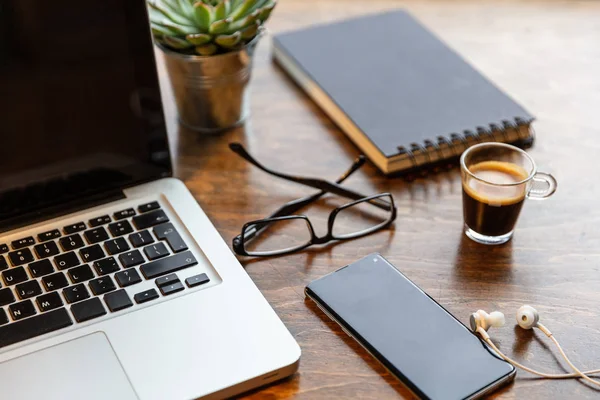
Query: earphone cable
[[573, 367], [487, 339]]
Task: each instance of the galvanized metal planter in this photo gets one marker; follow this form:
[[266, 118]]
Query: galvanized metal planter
[[211, 92]]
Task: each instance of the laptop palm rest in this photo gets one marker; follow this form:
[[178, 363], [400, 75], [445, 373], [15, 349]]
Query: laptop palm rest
[[57, 371]]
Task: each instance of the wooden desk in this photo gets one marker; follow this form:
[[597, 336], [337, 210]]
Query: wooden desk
[[546, 55]]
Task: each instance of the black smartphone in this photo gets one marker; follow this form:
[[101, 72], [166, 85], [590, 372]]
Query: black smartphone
[[415, 338]]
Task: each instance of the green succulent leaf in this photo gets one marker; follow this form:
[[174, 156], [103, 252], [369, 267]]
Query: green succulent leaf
[[203, 14], [177, 43], [250, 32], [198, 39], [229, 41], [220, 11], [183, 7], [219, 27], [242, 23], [207, 49], [166, 11], [227, 4], [266, 11], [161, 30], [258, 5], [241, 10], [172, 28], [236, 3]]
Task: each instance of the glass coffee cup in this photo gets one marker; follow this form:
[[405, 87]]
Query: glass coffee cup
[[496, 180]]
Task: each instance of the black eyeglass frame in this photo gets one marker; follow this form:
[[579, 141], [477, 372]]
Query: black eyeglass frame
[[239, 245], [296, 205]]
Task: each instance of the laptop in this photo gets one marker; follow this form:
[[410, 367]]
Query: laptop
[[114, 284]]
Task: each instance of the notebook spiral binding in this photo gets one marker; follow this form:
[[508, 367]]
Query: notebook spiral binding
[[420, 156]]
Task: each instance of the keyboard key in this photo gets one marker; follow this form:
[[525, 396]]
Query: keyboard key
[[197, 280], [168, 265], [55, 281], [96, 235], [142, 238], [6, 297], [131, 259], [77, 227], [76, 293], [53, 234], [166, 280], [20, 243], [28, 289], [32, 327], [14, 275], [71, 242], [106, 266], [21, 310], [148, 207], [3, 317], [168, 232], [67, 260], [172, 288], [3, 248], [80, 274], [155, 251], [130, 212], [47, 249], [41, 268], [118, 300], [102, 285], [3, 263], [116, 246], [49, 301], [150, 219], [128, 277], [145, 296], [105, 219], [91, 253], [120, 228], [88, 309], [20, 257]]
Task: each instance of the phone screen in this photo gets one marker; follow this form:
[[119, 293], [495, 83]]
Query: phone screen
[[435, 355]]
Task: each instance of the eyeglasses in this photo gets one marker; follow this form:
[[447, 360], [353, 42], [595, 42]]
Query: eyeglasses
[[291, 233]]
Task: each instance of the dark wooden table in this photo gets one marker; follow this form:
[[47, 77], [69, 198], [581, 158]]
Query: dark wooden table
[[546, 55]]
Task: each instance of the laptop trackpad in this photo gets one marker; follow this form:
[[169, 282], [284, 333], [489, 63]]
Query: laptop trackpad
[[84, 368]]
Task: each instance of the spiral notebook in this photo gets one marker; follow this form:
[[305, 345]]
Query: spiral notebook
[[400, 94]]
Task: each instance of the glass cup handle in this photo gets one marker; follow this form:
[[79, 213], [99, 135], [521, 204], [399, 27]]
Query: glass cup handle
[[541, 193]]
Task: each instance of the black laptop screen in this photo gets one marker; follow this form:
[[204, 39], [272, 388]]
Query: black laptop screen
[[80, 107]]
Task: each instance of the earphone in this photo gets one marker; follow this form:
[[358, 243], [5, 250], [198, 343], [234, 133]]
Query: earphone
[[527, 318]]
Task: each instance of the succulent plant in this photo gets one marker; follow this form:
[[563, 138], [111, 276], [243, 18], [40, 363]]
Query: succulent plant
[[206, 27]]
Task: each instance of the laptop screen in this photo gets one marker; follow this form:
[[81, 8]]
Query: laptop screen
[[80, 108]]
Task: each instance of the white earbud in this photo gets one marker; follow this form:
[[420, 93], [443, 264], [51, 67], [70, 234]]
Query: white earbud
[[482, 319], [527, 317]]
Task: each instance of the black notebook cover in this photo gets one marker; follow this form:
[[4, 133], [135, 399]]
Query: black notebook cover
[[396, 82]]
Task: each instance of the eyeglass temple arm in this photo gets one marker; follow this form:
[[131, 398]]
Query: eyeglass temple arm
[[324, 185], [297, 204]]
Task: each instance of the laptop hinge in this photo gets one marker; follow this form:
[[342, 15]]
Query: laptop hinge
[[59, 210]]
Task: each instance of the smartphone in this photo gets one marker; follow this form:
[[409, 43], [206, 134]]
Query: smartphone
[[416, 339]]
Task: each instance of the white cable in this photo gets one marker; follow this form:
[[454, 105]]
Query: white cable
[[487, 339], [574, 368]]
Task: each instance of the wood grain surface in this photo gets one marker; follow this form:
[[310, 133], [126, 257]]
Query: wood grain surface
[[546, 55]]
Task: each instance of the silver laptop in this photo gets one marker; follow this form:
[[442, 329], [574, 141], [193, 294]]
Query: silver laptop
[[113, 282]]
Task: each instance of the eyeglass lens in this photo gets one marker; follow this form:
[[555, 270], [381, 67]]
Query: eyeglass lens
[[360, 218], [279, 237]]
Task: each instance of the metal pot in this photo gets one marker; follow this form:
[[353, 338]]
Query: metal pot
[[211, 92]]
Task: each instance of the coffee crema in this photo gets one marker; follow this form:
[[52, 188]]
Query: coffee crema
[[492, 207]]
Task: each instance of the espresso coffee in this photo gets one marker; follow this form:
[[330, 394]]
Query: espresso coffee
[[493, 210]]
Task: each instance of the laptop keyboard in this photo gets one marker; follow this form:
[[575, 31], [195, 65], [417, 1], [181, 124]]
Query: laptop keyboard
[[71, 275]]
